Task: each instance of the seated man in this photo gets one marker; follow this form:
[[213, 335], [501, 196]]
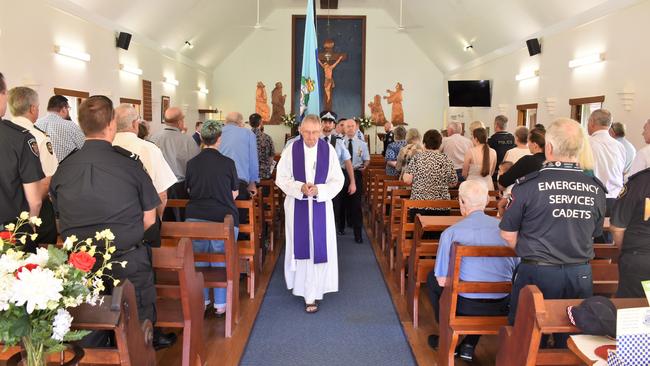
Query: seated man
[[475, 229]]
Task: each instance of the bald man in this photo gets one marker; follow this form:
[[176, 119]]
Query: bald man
[[178, 149]]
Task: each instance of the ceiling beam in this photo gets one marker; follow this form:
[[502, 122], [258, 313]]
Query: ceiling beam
[[329, 4]]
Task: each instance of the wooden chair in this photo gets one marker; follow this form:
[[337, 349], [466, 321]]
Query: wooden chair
[[381, 219], [368, 188], [452, 325], [375, 200], [180, 298], [519, 343], [214, 277]]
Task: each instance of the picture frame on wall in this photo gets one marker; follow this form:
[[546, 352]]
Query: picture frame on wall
[[165, 102]]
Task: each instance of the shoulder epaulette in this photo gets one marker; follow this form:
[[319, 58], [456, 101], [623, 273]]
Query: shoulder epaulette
[[15, 126], [600, 184], [526, 178], [127, 153], [639, 173], [38, 129], [67, 156]]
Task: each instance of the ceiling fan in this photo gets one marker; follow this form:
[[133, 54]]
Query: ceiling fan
[[258, 25], [401, 27]]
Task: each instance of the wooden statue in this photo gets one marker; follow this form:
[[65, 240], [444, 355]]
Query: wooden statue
[[377, 111], [395, 98], [261, 102], [325, 59], [277, 104]]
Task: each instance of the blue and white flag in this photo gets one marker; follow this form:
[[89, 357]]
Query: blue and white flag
[[309, 88]]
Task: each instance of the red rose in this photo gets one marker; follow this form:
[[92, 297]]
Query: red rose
[[6, 236], [82, 261], [28, 267]]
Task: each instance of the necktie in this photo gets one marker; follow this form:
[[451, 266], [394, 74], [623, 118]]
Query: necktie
[[350, 150], [327, 139]]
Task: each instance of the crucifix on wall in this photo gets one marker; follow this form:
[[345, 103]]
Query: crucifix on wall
[[328, 60]]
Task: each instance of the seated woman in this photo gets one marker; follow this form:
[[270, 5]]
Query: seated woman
[[212, 183], [413, 147], [480, 160], [393, 150], [431, 173]]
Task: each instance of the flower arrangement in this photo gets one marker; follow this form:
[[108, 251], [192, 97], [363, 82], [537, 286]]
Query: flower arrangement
[[364, 122], [289, 120], [36, 289]]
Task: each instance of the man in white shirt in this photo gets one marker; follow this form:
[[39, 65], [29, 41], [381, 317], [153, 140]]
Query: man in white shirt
[[617, 131], [642, 159], [455, 146], [150, 155], [609, 154]]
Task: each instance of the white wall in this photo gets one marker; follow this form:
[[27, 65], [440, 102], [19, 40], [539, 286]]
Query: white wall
[[619, 35], [31, 28], [391, 57]]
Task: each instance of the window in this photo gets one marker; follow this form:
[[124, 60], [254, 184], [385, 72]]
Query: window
[[527, 115], [581, 108], [75, 97]]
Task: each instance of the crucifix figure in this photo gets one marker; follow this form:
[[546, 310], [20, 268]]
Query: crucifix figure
[[325, 60]]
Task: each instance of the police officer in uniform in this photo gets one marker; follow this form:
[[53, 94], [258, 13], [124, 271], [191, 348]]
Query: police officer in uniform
[[552, 219], [20, 181], [103, 186], [360, 159], [630, 226]]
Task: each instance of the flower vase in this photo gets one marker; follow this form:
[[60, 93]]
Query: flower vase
[[34, 353]]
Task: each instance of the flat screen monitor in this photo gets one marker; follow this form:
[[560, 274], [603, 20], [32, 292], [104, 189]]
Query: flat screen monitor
[[469, 93]]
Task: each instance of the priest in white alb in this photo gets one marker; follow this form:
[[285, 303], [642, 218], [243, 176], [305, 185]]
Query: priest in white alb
[[310, 175]]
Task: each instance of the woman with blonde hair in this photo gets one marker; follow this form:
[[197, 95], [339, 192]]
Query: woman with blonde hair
[[586, 156], [413, 146], [480, 160]]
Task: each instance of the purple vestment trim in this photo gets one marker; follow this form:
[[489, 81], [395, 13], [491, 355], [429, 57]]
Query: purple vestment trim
[[301, 207]]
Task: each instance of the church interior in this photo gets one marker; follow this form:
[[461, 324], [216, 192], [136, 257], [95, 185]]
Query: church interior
[[387, 64]]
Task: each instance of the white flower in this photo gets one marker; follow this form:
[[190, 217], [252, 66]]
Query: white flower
[[41, 257], [69, 242], [6, 283], [61, 324], [72, 302], [36, 288], [35, 221], [24, 215], [10, 227], [10, 261]]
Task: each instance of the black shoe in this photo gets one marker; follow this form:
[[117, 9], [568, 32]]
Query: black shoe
[[358, 240], [340, 232], [466, 352], [433, 341], [163, 340]]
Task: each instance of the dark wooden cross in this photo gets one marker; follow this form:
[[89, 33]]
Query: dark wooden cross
[[328, 55]]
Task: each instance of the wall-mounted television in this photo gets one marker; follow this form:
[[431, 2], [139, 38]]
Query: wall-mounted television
[[469, 93]]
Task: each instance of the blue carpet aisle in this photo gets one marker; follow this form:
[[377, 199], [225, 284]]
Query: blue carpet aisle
[[355, 326]]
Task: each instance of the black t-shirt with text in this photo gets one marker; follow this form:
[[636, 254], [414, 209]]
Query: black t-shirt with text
[[556, 211], [501, 142]]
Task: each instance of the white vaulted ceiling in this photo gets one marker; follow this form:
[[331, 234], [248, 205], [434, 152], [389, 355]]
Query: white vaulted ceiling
[[441, 28]]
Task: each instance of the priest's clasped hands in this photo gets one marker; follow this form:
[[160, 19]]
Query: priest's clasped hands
[[309, 190]]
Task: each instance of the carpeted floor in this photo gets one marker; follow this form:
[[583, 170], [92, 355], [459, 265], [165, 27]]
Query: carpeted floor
[[355, 326]]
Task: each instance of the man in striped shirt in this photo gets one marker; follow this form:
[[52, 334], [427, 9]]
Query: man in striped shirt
[[66, 135]]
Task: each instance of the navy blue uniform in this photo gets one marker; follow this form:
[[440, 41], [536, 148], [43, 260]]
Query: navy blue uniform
[[556, 212], [631, 211], [501, 142], [105, 187]]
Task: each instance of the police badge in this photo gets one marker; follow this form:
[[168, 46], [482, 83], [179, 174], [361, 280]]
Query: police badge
[[33, 145]]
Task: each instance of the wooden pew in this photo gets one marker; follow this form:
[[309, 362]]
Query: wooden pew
[[180, 298], [375, 200], [519, 344], [393, 222], [381, 219], [452, 325], [248, 248], [368, 189], [607, 251], [421, 262], [227, 277], [269, 213]]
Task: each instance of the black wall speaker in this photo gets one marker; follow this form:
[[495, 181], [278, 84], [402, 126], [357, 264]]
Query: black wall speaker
[[123, 40], [533, 46]]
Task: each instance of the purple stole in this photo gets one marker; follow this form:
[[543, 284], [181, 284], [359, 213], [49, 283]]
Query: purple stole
[[301, 207]]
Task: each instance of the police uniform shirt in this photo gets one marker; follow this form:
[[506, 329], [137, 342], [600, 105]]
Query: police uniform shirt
[[501, 142], [103, 187], [632, 212], [342, 153], [359, 151], [151, 157], [211, 179], [49, 163], [20, 165], [557, 212], [388, 139]]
